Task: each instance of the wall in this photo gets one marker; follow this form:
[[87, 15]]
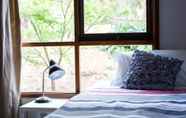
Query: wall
[[172, 24]]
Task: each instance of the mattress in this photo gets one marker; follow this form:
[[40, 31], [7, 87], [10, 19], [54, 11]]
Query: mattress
[[112, 102]]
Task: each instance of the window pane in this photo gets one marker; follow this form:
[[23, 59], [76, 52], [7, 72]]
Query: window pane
[[47, 20], [103, 70], [115, 16], [36, 59]]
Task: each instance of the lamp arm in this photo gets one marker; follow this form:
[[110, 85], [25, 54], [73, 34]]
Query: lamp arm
[[43, 80]]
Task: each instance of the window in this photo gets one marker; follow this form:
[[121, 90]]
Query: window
[[97, 63], [35, 59], [105, 20], [47, 20], [72, 32], [114, 16]]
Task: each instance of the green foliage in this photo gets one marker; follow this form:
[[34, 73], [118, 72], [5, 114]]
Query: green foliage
[[46, 21], [121, 15], [127, 48]]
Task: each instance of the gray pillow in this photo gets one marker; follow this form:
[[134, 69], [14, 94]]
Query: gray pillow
[[151, 72], [180, 54]]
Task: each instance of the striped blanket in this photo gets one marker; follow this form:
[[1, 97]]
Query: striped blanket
[[122, 103]]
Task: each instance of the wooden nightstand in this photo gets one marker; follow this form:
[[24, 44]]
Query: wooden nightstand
[[39, 110]]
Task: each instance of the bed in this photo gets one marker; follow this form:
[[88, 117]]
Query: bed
[[115, 102], [123, 103]]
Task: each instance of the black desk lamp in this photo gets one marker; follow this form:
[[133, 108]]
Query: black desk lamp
[[55, 72]]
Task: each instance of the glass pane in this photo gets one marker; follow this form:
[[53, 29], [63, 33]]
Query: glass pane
[[115, 16], [36, 59], [93, 71], [47, 20]]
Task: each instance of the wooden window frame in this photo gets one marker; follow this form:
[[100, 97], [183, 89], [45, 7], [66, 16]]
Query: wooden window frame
[[116, 36], [81, 39]]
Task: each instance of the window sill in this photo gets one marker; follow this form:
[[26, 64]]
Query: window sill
[[49, 94]]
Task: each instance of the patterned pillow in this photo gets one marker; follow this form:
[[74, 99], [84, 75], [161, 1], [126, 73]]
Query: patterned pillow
[[151, 72]]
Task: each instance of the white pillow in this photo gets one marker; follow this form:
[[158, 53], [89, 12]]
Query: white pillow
[[180, 54], [122, 63]]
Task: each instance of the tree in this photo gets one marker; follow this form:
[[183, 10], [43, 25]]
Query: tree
[[43, 21]]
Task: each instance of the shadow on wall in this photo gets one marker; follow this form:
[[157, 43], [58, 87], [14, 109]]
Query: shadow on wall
[[172, 24]]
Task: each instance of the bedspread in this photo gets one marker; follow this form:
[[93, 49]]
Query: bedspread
[[123, 103]]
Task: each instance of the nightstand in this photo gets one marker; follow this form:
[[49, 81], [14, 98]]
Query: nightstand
[[39, 110]]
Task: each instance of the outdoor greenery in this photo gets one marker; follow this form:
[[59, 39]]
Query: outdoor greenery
[[53, 20], [115, 16]]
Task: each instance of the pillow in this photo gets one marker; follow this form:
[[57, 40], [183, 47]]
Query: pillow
[[122, 65], [151, 72], [180, 54], [181, 79]]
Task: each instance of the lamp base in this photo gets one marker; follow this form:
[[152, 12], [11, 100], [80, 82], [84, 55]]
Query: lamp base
[[43, 99]]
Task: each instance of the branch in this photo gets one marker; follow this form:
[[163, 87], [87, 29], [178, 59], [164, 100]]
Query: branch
[[37, 31], [38, 34], [46, 54], [63, 28], [40, 55], [99, 18], [61, 55]]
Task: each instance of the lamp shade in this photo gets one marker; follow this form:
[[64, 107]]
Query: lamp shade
[[55, 72]]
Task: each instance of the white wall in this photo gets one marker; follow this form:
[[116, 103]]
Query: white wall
[[172, 24]]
